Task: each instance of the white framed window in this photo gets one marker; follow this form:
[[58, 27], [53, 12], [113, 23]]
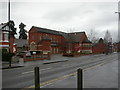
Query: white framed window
[[5, 36], [40, 38], [57, 50], [0, 36]]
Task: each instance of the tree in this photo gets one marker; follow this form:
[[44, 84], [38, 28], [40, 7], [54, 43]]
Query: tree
[[93, 36], [70, 30], [6, 56], [22, 32], [107, 37], [108, 41], [11, 25]]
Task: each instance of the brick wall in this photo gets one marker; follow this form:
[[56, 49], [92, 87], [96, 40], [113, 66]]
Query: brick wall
[[54, 45], [99, 48]]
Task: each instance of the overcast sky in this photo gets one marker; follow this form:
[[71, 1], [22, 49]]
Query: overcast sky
[[65, 16]]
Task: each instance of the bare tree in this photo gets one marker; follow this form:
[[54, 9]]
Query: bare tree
[[93, 36], [108, 41], [71, 30], [107, 37]]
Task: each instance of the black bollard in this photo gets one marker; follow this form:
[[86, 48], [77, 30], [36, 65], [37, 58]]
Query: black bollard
[[37, 81], [79, 79]]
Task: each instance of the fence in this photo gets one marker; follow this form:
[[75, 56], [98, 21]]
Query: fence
[[36, 57]]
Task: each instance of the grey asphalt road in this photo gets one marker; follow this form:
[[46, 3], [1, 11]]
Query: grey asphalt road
[[24, 77], [102, 76]]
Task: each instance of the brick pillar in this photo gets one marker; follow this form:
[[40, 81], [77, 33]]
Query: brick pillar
[[11, 43]]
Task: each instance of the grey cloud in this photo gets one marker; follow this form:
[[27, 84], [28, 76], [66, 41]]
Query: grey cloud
[[74, 15]]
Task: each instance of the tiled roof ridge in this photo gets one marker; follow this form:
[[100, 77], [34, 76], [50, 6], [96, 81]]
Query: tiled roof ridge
[[48, 29], [76, 32], [58, 31]]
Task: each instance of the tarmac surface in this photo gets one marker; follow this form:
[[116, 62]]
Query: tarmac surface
[[100, 71], [104, 76]]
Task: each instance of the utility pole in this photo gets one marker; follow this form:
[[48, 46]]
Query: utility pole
[[9, 30], [9, 11]]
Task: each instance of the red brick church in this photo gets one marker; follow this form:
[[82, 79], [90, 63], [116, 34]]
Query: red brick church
[[55, 42]]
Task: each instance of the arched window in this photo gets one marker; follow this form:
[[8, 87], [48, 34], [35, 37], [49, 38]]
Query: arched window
[[32, 46]]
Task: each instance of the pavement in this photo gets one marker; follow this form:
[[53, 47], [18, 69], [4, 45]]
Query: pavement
[[54, 59]]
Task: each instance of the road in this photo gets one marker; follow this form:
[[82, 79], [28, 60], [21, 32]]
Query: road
[[24, 77]]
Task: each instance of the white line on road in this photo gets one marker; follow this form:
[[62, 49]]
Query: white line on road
[[33, 71], [67, 76], [44, 69]]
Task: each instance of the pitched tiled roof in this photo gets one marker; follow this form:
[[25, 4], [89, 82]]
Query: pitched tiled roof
[[2, 26], [39, 29], [70, 37], [21, 42], [86, 41], [75, 37]]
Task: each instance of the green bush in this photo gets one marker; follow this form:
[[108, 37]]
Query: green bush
[[6, 56]]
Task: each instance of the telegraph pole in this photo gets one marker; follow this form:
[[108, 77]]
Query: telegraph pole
[[9, 11], [9, 30]]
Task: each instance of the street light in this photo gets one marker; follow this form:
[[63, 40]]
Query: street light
[[117, 12], [118, 27]]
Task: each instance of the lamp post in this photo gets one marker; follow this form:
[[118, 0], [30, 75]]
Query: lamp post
[[118, 28]]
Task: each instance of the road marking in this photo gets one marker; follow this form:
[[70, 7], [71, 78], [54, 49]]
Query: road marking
[[27, 72], [66, 76], [44, 69], [33, 71], [65, 59], [54, 80], [101, 64]]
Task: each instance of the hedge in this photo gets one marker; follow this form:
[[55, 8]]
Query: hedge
[[6, 56]]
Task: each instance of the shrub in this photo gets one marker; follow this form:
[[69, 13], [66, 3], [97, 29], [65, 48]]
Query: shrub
[[6, 56]]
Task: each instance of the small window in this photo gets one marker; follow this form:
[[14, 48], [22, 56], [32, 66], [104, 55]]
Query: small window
[[0, 36], [6, 36], [40, 38], [32, 46]]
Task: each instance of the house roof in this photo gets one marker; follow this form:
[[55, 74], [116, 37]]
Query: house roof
[[45, 30], [21, 42], [86, 41], [70, 37], [75, 37], [2, 26], [8, 27]]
